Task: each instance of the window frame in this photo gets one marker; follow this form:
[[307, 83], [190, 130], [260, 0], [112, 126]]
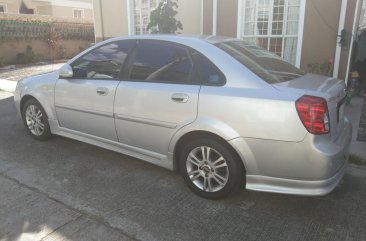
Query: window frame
[[128, 69], [298, 37], [123, 67], [140, 16], [5, 6], [197, 74]]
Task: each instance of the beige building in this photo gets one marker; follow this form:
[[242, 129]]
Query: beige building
[[9, 6], [56, 8], [301, 31]]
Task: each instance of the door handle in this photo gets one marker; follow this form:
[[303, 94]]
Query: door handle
[[180, 97], [102, 91]]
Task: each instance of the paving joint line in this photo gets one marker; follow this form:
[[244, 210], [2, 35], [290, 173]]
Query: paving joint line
[[95, 218]]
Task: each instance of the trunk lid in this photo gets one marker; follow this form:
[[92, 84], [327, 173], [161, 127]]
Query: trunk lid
[[331, 89]]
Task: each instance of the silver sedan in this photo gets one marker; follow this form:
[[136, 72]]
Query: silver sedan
[[225, 113]]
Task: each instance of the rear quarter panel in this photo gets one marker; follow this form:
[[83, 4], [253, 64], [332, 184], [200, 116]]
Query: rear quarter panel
[[254, 113]]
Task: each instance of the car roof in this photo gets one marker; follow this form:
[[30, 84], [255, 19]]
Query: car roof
[[213, 39]]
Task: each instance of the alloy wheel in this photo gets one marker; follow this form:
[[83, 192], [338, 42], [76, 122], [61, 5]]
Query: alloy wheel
[[34, 120], [207, 169]]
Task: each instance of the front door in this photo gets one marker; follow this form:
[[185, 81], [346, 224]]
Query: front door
[[84, 103], [157, 97]]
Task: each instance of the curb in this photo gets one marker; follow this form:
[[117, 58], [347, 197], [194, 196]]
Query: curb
[[8, 85]]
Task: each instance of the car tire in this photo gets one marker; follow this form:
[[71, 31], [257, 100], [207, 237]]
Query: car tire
[[35, 120], [211, 168]]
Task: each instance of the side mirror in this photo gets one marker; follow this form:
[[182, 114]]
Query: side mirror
[[66, 71]]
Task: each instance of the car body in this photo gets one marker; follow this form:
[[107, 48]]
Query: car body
[[239, 104]]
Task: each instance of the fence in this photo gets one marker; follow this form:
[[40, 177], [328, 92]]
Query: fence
[[47, 36]]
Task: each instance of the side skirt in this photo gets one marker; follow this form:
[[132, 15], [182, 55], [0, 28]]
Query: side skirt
[[165, 161]]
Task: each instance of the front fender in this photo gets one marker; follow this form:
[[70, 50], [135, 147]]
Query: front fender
[[42, 88]]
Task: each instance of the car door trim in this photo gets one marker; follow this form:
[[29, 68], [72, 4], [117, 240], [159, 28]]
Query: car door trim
[[168, 125], [84, 111]]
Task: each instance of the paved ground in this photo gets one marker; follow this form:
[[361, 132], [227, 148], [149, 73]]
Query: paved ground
[[20, 73], [67, 190], [354, 113]]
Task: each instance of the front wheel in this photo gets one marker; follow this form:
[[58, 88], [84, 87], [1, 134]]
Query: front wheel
[[210, 168], [35, 120]]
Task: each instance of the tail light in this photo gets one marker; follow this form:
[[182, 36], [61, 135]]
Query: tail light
[[313, 112]]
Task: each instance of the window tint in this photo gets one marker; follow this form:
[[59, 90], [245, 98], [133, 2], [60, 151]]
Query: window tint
[[161, 62], [104, 62], [263, 63], [208, 73]]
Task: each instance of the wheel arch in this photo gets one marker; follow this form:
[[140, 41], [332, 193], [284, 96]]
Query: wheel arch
[[29, 96], [196, 134], [24, 100]]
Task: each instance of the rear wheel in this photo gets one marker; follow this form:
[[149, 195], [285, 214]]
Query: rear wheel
[[35, 120], [210, 168]]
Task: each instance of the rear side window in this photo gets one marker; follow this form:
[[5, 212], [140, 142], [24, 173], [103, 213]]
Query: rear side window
[[158, 61], [268, 66], [104, 62], [207, 72]]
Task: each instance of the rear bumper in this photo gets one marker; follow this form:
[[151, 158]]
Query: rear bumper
[[312, 167], [295, 187]]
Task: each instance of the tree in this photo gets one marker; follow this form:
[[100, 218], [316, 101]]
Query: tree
[[162, 19]]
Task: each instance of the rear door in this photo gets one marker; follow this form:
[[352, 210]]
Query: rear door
[[84, 103], [157, 96]]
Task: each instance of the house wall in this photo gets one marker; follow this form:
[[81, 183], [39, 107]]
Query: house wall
[[12, 6], [351, 8], [189, 13], [227, 18], [60, 11], [110, 19], [44, 10], [207, 16], [320, 31]]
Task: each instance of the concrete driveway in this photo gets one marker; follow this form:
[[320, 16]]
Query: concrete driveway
[[67, 190]]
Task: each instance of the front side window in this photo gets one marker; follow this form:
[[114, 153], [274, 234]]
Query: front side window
[[268, 66], [104, 62], [272, 25], [157, 61]]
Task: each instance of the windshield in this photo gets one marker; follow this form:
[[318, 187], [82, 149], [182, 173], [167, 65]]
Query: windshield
[[268, 66]]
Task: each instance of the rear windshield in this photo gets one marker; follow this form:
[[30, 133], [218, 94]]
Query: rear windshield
[[268, 66]]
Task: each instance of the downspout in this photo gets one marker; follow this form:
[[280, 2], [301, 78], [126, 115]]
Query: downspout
[[214, 17], [101, 19], [130, 17], [337, 57], [354, 32], [240, 19], [201, 27]]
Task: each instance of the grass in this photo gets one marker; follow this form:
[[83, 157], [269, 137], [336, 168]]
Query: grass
[[354, 159]]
